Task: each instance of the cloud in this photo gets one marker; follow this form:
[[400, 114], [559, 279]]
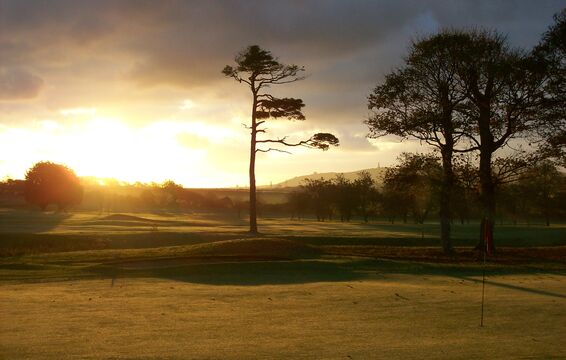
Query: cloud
[[137, 60], [19, 84]]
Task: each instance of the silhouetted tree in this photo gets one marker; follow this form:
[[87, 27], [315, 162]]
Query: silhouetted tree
[[420, 101], [173, 193], [48, 183], [503, 88], [258, 70], [322, 194], [299, 202], [466, 195], [551, 51], [345, 197], [395, 201], [147, 199], [366, 192], [541, 185], [415, 182]]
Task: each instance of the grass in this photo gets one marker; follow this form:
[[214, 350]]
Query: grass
[[387, 316], [24, 232], [87, 285]]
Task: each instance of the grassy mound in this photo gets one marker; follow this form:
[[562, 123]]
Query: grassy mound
[[124, 217], [258, 247], [132, 220], [226, 250]]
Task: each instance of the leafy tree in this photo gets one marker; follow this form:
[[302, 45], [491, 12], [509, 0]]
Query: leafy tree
[[466, 188], [503, 88], [366, 192], [395, 201], [49, 183], [173, 193], [345, 197], [147, 199], [420, 101], [321, 194], [512, 200], [542, 184], [299, 201], [258, 69], [415, 183], [551, 51]]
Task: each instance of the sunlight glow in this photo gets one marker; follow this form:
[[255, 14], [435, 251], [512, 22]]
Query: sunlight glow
[[78, 111], [107, 147], [187, 104]]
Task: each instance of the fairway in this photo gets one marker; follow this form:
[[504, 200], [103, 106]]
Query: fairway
[[177, 286], [382, 316]]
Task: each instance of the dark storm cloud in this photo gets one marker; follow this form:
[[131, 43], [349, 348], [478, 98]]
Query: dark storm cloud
[[18, 84], [346, 46], [182, 34]]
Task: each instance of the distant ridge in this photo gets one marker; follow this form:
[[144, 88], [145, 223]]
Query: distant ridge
[[376, 173]]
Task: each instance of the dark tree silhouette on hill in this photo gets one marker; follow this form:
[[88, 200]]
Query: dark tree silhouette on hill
[[48, 183], [258, 69]]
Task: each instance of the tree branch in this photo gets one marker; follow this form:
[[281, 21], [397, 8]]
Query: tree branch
[[272, 149]]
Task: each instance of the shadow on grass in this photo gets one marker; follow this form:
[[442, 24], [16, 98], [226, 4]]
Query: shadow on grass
[[515, 287], [254, 272], [243, 273], [422, 241], [31, 221], [301, 271]]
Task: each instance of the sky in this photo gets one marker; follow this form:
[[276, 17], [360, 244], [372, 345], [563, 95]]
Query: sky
[[133, 90]]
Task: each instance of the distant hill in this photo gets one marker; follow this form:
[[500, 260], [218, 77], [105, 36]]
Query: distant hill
[[376, 173]]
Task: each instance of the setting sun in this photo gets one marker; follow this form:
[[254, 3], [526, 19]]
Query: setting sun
[[109, 147]]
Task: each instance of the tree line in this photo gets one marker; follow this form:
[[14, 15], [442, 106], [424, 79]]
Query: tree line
[[411, 192]]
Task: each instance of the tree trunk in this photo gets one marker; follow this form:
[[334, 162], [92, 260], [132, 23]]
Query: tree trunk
[[547, 217], [487, 189], [253, 195], [446, 199]]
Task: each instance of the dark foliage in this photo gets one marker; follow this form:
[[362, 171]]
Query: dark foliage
[[48, 183]]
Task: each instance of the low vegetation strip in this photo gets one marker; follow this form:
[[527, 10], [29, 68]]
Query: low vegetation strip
[[550, 256]]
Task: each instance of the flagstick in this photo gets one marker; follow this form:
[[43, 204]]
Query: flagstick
[[483, 288]]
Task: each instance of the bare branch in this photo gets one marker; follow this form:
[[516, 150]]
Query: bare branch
[[272, 149]]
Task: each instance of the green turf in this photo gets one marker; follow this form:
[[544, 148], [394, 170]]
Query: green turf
[[172, 286], [24, 232]]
